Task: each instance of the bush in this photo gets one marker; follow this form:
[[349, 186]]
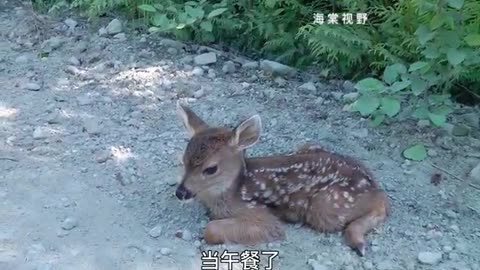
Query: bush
[[420, 51]]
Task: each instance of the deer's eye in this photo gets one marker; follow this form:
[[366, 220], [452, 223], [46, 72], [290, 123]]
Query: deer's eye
[[210, 170]]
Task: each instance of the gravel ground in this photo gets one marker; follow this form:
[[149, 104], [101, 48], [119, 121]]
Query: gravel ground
[[90, 146]]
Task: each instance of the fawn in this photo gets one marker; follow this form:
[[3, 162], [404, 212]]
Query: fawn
[[248, 198]]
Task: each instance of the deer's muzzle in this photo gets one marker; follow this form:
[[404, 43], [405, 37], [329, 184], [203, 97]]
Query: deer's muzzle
[[182, 193]]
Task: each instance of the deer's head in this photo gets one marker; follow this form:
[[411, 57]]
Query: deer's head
[[214, 155]]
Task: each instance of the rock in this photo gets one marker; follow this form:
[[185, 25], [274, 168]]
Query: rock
[[281, 82], [211, 73], [72, 70], [199, 93], [32, 86], [336, 95], [475, 173], [81, 46], [460, 130], [451, 214], [114, 27], [432, 153], [70, 23], [315, 265], [91, 126], [165, 251], [385, 265], [368, 265], [197, 71], [309, 86], [430, 258], [172, 43], [205, 59], [172, 51], [74, 61], [120, 36], [40, 133], [22, 59], [69, 223], [276, 68], [155, 231], [228, 67], [348, 86], [360, 133], [250, 65], [350, 97], [52, 44], [184, 234], [103, 156], [423, 123], [102, 31], [472, 119]]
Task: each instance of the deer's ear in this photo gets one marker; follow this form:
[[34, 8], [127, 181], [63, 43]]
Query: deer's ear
[[247, 133], [193, 124]]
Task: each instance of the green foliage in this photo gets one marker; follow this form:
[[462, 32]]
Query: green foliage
[[416, 152]]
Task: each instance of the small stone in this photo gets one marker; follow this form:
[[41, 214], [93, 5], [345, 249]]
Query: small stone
[[22, 59], [360, 133], [197, 71], [475, 173], [205, 59], [69, 223], [120, 36], [385, 265], [102, 32], [449, 213], [423, 123], [315, 265], [447, 249], [72, 70], [165, 251], [460, 130], [184, 234], [228, 67], [348, 86], [350, 97], [91, 126], [81, 46], [281, 82], [277, 69], [114, 27], [70, 23], [368, 265], [74, 61], [336, 95], [250, 65], [172, 181], [32, 86], [309, 86], [211, 73], [52, 44], [432, 153], [430, 258], [472, 119], [103, 156], [156, 231], [199, 93], [40, 133], [172, 51], [172, 43], [197, 244]]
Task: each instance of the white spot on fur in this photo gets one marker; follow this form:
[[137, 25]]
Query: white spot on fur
[[336, 206], [267, 193], [346, 194], [335, 196], [262, 186], [362, 183], [351, 199]]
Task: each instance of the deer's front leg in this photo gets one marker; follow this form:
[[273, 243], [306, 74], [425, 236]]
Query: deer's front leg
[[249, 227]]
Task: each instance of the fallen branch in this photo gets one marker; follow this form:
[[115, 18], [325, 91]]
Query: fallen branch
[[7, 158], [454, 176]]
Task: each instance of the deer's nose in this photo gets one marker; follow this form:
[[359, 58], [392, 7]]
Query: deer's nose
[[182, 193]]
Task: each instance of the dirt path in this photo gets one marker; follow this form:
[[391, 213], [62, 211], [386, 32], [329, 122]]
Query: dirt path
[[89, 148]]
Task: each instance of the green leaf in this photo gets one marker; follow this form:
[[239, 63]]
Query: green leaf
[[416, 152], [457, 4], [159, 6], [421, 112], [366, 105], [437, 119], [424, 34], [160, 20], [147, 8], [370, 85], [194, 12], [378, 120], [399, 86], [473, 40], [431, 52], [216, 12], [207, 26], [418, 65], [391, 72], [418, 86], [437, 21], [455, 57], [181, 26], [390, 106]]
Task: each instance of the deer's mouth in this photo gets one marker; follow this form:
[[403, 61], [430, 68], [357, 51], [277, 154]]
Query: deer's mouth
[[182, 193]]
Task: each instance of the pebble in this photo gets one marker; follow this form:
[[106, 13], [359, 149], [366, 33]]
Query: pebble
[[205, 59], [156, 231], [165, 251], [52, 44], [368, 265], [120, 36], [40, 133], [475, 173], [69, 223], [184, 234], [172, 51], [22, 59], [315, 265], [430, 258], [228, 67], [32, 86], [197, 71], [199, 93], [103, 156], [91, 126], [172, 43], [309, 86], [281, 82], [423, 123], [71, 23], [348, 86], [360, 133], [432, 153], [211, 73], [197, 243], [171, 181], [350, 97], [250, 65], [114, 27], [277, 69], [72, 70]]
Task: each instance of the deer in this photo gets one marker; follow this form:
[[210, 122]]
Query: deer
[[250, 199]]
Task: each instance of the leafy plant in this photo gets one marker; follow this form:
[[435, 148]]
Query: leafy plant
[[416, 152]]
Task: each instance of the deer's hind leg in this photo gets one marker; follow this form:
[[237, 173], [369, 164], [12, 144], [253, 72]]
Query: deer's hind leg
[[356, 230], [249, 227]]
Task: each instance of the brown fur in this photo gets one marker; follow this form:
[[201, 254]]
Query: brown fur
[[247, 197]]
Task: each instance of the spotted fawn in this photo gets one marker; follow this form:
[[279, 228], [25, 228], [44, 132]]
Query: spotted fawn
[[248, 198]]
